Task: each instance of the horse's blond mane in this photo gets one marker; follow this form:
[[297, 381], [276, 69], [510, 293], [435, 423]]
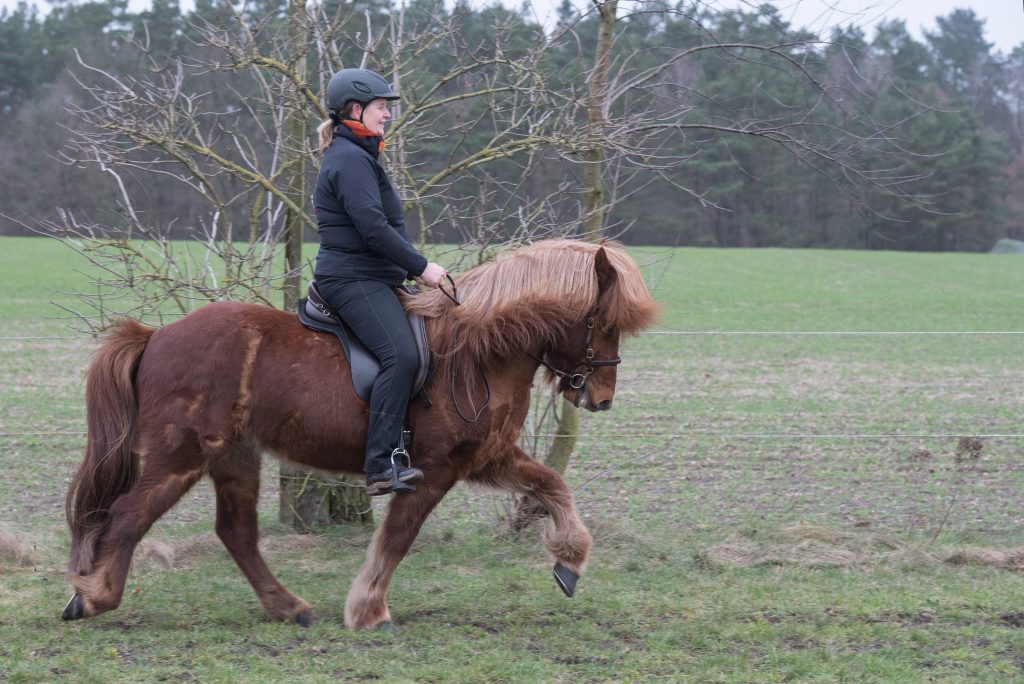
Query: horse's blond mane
[[531, 296]]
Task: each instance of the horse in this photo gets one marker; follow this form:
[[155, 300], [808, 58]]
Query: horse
[[207, 394]]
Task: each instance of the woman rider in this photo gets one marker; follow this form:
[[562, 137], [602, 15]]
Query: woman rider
[[364, 255]]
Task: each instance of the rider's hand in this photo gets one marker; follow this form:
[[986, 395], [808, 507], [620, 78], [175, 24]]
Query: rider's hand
[[432, 275]]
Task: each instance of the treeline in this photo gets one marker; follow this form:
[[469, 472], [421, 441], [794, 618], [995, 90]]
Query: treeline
[[777, 137]]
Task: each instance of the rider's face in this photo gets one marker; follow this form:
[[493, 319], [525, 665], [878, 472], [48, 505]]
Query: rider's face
[[375, 113]]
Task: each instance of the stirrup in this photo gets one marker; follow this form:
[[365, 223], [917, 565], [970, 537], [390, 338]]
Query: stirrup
[[399, 451], [397, 455], [400, 458]]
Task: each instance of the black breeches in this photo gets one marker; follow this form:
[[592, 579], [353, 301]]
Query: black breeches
[[372, 311]]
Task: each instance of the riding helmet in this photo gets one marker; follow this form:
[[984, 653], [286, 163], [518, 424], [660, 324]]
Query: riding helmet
[[361, 85]]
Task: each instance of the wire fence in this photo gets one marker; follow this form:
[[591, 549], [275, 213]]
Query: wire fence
[[690, 333], [780, 436], [806, 333], [685, 434], [46, 337]]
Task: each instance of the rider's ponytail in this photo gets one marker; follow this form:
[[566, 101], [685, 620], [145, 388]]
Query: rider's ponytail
[[326, 133]]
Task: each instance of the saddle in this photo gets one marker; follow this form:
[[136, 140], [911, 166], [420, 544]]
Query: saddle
[[316, 314]]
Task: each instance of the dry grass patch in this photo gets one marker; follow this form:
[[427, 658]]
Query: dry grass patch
[[811, 546], [806, 545], [159, 554], [178, 554], [1010, 559], [16, 552]]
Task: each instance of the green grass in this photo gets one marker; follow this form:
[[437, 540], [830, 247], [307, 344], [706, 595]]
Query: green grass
[[828, 460], [474, 608], [822, 290]]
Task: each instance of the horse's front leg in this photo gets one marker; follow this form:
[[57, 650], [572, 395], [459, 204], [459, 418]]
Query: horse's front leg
[[565, 536], [367, 603]]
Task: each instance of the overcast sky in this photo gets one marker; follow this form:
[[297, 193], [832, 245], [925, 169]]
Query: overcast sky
[[1004, 19]]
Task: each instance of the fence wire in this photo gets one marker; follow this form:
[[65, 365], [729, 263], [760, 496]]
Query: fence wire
[[688, 333], [649, 436]]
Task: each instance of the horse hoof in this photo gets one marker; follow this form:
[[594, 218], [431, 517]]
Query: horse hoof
[[387, 626], [306, 618], [75, 609], [566, 579]]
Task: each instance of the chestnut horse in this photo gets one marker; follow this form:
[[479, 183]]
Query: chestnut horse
[[207, 394]]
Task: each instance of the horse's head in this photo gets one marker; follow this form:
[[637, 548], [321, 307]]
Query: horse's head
[[590, 355], [563, 303]]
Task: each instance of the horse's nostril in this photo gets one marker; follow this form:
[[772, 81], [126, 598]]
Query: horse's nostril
[[604, 405]]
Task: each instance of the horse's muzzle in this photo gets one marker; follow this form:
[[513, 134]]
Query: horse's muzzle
[[586, 403]]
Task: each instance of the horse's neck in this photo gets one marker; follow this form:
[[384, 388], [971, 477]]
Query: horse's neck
[[515, 375]]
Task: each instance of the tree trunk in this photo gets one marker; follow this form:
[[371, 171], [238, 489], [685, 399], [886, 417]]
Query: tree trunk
[[564, 442], [293, 155], [308, 501], [312, 501], [597, 109]]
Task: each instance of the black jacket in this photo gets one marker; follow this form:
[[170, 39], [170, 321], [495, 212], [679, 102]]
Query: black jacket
[[359, 216]]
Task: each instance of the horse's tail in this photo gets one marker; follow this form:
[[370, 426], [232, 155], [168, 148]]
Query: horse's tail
[[109, 469]]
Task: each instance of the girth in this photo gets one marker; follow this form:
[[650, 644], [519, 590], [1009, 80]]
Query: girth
[[316, 314]]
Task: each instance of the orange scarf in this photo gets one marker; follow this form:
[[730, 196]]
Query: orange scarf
[[362, 131]]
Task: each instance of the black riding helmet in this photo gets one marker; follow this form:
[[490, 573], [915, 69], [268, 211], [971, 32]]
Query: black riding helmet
[[361, 85]]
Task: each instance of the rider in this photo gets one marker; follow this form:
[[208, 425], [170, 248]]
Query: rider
[[364, 255]]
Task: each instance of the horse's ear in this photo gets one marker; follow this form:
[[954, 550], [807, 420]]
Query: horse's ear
[[606, 273]]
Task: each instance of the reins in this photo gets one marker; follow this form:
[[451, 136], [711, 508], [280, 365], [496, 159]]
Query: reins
[[454, 296]]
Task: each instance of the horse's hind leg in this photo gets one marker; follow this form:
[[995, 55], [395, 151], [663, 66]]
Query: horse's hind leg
[[237, 482], [566, 537], [159, 487], [367, 602]]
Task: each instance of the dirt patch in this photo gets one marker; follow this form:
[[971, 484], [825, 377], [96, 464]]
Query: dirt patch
[[1013, 619]]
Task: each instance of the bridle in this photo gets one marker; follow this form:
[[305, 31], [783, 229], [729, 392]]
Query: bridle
[[578, 380]]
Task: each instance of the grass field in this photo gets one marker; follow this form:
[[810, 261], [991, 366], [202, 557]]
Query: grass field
[[766, 507]]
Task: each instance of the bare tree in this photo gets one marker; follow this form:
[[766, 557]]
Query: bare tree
[[229, 123], [635, 109]]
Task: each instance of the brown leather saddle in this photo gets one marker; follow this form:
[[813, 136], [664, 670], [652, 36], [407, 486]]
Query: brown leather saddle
[[316, 314]]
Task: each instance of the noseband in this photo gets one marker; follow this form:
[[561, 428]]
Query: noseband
[[578, 380]]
